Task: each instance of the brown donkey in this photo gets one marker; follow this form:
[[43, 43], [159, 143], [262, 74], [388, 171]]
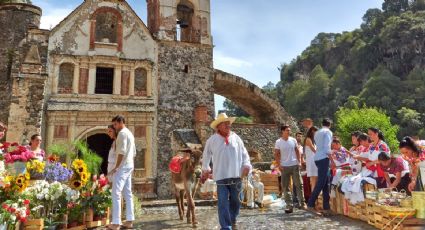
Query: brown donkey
[[185, 172]]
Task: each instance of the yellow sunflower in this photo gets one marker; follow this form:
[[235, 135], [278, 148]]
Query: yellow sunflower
[[82, 169], [27, 176], [84, 177], [76, 184], [8, 179], [77, 163], [19, 181]]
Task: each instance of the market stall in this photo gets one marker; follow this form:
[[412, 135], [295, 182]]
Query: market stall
[[49, 193]]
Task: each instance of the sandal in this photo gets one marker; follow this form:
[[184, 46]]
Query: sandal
[[313, 210]]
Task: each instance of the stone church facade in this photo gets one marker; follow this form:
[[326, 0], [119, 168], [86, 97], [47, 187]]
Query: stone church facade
[[102, 60]]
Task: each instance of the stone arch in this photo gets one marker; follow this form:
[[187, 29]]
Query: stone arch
[[91, 131], [110, 17], [251, 99]]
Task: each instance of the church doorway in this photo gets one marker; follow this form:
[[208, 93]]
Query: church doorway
[[100, 143]]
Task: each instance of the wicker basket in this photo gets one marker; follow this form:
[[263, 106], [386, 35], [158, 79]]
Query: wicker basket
[[400, 212]]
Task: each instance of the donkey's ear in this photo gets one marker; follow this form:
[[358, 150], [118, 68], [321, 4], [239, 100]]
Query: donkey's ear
[[186, 157]]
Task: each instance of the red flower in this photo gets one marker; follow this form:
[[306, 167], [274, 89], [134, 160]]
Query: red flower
[[103, 181], [53, 158], [71, 205], [12, 210], [27, 202], [5, 206], [23, 219], [28, 212]]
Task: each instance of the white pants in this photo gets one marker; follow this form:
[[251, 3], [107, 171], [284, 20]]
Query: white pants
[[250, 193], [122, 186]]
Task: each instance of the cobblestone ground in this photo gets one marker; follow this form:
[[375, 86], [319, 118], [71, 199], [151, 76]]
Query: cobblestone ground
[[167, 218]]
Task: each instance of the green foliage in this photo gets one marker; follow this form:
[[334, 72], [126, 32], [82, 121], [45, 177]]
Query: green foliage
[[350, 120], [379, 65], [62, 150], [92, 160], [410, 121], [233, 110], [271, 90], [244, 120]]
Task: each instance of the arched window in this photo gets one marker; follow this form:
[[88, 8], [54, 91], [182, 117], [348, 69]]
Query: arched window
[[106, 27], [66, 77], [185, 31], [140, 82]]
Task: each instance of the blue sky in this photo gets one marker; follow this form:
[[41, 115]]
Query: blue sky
[[253, 37]]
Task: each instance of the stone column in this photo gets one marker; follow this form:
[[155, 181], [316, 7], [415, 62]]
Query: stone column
[[76, 80], [131, 84], [71, 129], [50, 133], [92, 78], [117, 80], [148, 154]]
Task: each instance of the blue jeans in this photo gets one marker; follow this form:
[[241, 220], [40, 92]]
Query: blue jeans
[[228, 191], [322, 184]]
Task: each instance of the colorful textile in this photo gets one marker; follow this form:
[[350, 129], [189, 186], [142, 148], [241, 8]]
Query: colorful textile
[[175, 165]]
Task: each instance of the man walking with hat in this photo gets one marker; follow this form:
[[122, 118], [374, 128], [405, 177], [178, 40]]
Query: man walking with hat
[[231, 162]]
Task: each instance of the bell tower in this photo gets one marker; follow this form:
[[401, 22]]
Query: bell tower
[[180, 20]]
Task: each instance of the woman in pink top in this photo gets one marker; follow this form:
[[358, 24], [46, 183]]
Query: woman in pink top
[[35, 148]]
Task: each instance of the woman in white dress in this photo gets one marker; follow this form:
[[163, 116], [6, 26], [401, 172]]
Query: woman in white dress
[[310, 150], [112, 133]]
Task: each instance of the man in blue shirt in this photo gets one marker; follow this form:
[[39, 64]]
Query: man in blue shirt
[[323, 140]]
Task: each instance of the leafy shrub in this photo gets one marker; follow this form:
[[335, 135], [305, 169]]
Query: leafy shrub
[[360, 119]]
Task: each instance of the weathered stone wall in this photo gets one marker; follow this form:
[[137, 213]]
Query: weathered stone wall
[[180, 92], [15, 19], [259, 138]]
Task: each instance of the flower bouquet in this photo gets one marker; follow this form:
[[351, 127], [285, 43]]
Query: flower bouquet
[[12, 212], [16, 155], [55, 171], [50, 201], [97, 199], [36, 169], [81, 175]]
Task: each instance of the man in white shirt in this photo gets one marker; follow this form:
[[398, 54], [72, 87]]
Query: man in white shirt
[[121, 186], [289, 157], [231, 162]]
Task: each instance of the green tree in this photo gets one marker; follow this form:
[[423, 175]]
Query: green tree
[[360, 119], [410, 122], [271, 90], [381, 90], [234, 110], [294, 99], [395, 6]]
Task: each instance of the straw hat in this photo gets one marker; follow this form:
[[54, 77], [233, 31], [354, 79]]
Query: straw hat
[[222, 117]]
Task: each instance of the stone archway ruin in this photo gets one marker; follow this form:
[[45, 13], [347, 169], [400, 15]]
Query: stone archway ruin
[[251, 99]]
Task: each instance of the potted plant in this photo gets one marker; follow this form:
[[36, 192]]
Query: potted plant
[[96, 199], [13, 212], [16, 157]]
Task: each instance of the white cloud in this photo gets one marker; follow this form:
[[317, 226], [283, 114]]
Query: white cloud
[[52, 17], [224, 62]]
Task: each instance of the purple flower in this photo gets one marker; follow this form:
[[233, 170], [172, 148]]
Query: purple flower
[[56, 172]]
